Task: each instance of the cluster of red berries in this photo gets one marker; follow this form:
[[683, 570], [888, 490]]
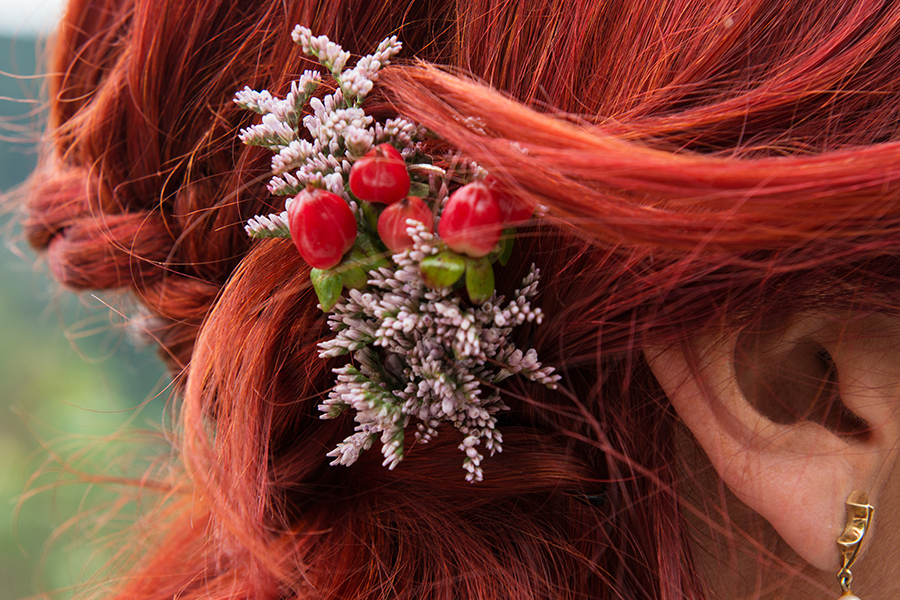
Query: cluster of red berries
[[324, 229]]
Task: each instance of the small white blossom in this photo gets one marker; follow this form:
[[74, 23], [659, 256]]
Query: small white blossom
[[259, 102], [289, 109], [355, 84], [400, 132], [331, 55], [358, 140], [294, 155], [274, 225], [271, 133]]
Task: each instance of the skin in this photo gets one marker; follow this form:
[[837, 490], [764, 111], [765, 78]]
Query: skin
[[730, 565], [782, 423]]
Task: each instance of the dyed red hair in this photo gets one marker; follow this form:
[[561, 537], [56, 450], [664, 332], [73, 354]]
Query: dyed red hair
[[699, 160]]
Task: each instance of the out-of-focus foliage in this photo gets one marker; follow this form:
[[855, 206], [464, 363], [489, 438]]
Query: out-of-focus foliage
[[69, 379]]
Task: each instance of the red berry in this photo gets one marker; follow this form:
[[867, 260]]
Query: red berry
[[471, 223], [512, 208], [392, 222], [322, 226], [380, 176]]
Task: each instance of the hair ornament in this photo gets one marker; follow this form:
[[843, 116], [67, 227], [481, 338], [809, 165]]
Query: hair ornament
[[414, 239]]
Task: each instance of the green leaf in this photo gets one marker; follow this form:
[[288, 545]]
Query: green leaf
[[373, 259], [371, 212], [354, 277], [328, 286], [442, 270], [479, 279], [353, 269]]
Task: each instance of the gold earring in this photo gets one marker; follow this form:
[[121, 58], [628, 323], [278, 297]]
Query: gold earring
[[859, 518]]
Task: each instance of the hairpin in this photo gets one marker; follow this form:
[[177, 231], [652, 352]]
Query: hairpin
[[427, 335]]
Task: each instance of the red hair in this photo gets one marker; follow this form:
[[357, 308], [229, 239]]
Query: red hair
[[698, 160]]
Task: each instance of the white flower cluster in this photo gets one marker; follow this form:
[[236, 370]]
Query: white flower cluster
[[421, 354], [287, 110], [331, 55], [416, 354], [338, 130], [358, 81]]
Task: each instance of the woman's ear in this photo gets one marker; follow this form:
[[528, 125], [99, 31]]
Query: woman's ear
[[793, 419]]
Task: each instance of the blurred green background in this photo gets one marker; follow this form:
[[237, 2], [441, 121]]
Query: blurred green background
[[69, 378]]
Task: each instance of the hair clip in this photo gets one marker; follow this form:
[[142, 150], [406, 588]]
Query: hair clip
[[427, 335]]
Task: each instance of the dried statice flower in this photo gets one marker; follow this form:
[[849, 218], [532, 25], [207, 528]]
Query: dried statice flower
[[421, 354], [334, 134]]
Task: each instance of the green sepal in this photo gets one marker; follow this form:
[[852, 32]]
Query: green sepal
[[442, 270], [328, 286], [479, 279], [507, 241], [417, 188]]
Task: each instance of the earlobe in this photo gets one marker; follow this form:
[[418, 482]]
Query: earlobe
[[795, 474]]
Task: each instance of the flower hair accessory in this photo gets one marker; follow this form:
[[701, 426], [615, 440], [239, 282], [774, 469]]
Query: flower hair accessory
[[427, 335]]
